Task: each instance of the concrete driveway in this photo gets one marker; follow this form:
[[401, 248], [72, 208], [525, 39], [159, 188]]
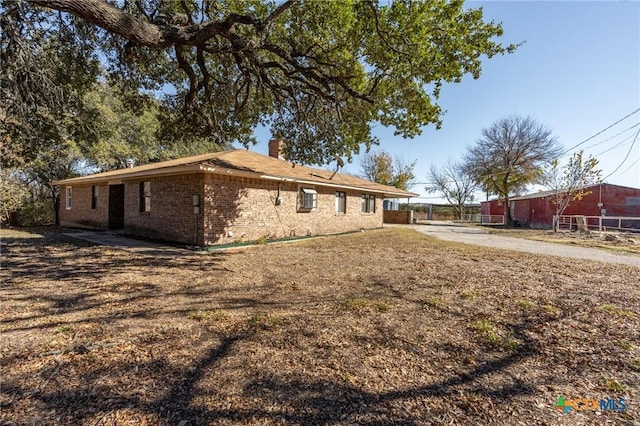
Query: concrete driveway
[[450, 231]]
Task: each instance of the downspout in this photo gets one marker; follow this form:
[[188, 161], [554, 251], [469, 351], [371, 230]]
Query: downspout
[[600, 207], [600, 199]]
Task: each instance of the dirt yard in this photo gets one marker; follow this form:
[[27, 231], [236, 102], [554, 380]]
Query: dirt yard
[[381, 327]]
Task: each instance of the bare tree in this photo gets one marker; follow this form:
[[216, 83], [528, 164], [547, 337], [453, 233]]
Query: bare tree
[[568, 183], [510, 155], [454, 183]]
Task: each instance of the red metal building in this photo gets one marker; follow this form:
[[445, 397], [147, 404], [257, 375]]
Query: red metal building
[[537, 210]]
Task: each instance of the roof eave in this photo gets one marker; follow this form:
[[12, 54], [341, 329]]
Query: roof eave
[[200, 167], [391, 194], [120, 178]]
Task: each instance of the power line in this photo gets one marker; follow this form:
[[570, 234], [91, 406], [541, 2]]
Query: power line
[[629, 168], [428, 198], [623, 142], [613, 137], [619, 144], [599, 133], [625, 158]]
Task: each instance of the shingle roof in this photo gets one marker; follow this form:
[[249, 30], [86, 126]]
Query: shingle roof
[[243, 163]]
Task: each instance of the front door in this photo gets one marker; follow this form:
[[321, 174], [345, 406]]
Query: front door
[[116, 206]]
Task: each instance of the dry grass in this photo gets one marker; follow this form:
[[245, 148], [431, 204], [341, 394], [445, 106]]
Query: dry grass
[[381, 327]]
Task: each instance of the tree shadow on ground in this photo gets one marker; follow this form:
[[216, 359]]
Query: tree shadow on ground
[[275, 396], [84, 273], [174, 377]]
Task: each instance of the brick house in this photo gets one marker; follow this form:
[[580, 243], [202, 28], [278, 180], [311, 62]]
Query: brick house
[[536, 210], [223, 197]]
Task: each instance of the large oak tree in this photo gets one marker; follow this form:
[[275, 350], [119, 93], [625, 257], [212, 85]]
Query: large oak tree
[[318, 73], [510, 155]]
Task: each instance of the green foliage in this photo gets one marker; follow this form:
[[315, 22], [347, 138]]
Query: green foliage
[[47, 65], [64, 328], [118, 137], [319, 74], [625, 344], [43, 77], [13, 194], [487, 330], [614, 310], [613, 385], [494, 337], [466, 294], [266, 322], [32, 199], [125, 128], [34, 212], [262, 240], [380, 167], [403, 174], [510, 155]]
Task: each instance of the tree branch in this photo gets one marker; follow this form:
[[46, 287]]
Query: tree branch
[[284, 6], [193, 79], [145, 33]]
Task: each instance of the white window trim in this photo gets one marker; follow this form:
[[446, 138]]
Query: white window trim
[[145, 200], [337, 205], [68, 197], [314, 202], [369, 207]]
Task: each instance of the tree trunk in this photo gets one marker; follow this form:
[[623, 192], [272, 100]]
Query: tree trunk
[[507, 211], [55, 198]]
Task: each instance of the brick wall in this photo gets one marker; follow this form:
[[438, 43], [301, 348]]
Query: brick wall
[[398, 216], [231, 209], [245, 209], [171, 216], [81, 214]]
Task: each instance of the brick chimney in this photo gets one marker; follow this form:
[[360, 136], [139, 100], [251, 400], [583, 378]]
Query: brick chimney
[[276, 147]]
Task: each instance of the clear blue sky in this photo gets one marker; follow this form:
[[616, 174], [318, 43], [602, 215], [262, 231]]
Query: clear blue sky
[[577, 73]]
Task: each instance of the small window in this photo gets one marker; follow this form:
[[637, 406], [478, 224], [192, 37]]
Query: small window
[[145, 196], [368, 203], [68, 197], [308, 198], [94, 196], [341, 202]]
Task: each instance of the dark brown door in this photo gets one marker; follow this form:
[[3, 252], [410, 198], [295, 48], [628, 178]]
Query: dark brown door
[[116, 206]]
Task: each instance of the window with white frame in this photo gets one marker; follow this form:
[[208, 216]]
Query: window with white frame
[[308, 198], [341, 202], [145, 196], [368, 203], [69, 193]]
